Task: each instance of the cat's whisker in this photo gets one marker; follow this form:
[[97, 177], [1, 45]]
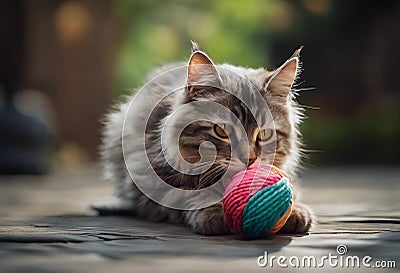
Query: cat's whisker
[[210, 176], [304, 89], [200, 165], [151, 163], [172, 176], [312, 151], [298, 83], [309, 107]]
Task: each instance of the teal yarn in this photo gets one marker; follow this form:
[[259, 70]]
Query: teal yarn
[[265, 208]]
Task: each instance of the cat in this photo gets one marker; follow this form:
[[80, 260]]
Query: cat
[[186, 136]]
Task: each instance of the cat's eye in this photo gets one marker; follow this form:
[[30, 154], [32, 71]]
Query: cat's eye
[[265, 135], [222, 130]]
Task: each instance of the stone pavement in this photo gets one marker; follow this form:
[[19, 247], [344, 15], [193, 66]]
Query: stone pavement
[[45, 226]]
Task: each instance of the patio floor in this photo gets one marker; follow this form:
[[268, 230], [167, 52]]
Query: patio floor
[[45, 226]]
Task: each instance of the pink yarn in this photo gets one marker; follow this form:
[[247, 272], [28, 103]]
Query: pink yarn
[[242, 187]]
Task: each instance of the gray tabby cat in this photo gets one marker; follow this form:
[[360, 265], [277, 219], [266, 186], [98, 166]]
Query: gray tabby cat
[[277, 142]]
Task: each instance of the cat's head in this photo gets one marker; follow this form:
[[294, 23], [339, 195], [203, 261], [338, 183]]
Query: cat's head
[[235, 116]]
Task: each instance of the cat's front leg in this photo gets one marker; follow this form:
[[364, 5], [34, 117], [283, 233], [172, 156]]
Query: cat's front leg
[[299, 221], [208, 221]]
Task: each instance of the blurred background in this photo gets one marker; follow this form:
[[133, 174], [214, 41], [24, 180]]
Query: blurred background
[[64, 62]]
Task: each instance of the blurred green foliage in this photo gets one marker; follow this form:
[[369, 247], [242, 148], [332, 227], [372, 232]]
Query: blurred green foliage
[[366, 138], [156, 32]]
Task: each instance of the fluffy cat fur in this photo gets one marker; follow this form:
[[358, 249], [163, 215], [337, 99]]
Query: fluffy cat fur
[[274, 86]]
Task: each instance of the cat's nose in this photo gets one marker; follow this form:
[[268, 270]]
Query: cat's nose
[[248, 160], [252, 160], [248, 157]]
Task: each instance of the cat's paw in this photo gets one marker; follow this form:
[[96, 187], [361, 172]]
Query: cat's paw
[[299, 221], [208, 221]]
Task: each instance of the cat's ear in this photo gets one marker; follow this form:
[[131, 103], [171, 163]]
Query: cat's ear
[[282, 80], [201, 71]]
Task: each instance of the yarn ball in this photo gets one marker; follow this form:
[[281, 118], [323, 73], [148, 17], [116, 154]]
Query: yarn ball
[[257, 201]]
